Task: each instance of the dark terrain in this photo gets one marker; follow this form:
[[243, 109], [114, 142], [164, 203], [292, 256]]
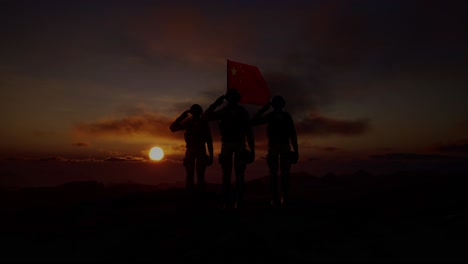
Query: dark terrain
[[404, 216]]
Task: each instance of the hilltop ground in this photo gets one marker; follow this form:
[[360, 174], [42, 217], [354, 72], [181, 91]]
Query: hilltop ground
[[405, 216]]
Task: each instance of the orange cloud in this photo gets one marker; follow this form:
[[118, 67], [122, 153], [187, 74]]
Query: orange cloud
[[156, 126], [80, 144], [138, 124]]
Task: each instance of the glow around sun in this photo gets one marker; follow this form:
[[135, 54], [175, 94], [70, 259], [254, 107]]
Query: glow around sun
[[156, 153]]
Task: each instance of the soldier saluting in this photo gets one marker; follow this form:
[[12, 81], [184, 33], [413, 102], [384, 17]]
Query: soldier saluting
[[235, 129], [197, 137], [281, 136]]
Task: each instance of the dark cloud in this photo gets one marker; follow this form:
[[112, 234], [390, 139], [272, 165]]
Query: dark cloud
[[325, 126], [53, 159], [157, 125], [65, 159], [320, 148], [78, 160], [49, 158], [459, 147], [80, 144], [139, 124], [410, 156], [123, 159], [303, 92], [330, 149]]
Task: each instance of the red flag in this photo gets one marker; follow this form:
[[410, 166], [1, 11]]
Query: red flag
[[249, 82]]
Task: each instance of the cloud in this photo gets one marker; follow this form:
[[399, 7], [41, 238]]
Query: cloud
[[324, 126], [156, 125], [303, 92], [80, 144], [73, 160], [330, 149], [126, 158], [58, 158], [133, 125], [80, 160], [410, 156], [458, 147], [321, 148]]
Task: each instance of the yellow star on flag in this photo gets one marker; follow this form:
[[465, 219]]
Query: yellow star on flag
[[233, 71]]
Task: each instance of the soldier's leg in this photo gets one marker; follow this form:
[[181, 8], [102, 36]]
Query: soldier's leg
[[285, 164], [189, 163], [239, 168], [225, 159], [201, 168], [272, 160]]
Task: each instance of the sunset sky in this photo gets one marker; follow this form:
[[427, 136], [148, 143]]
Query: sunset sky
[[362, 79]]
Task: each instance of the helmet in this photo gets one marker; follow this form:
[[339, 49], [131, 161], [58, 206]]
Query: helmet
[[196, 110], [233, 96], [278, 102]]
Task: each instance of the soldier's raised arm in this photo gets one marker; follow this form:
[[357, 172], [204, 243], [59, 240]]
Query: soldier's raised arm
[[210, 113], [259, 117], [176, 125]]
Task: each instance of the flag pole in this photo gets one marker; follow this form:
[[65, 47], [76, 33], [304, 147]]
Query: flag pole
[[227, 74]]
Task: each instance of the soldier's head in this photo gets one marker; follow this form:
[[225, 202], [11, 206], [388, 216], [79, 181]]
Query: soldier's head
[[278, 102], [233, 96], [196, 110]]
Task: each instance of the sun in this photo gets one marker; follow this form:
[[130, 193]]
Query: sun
[[156, 153]]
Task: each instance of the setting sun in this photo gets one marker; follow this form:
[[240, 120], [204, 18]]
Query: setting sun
[[156, 153]]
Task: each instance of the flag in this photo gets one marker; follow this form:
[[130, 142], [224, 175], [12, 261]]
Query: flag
[[248, 81]]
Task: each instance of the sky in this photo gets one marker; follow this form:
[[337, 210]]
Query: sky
[[363, 80]]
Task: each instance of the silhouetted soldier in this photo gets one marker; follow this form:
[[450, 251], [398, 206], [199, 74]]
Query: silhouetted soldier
[[197, 133], [281, 135], [235, 127]]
